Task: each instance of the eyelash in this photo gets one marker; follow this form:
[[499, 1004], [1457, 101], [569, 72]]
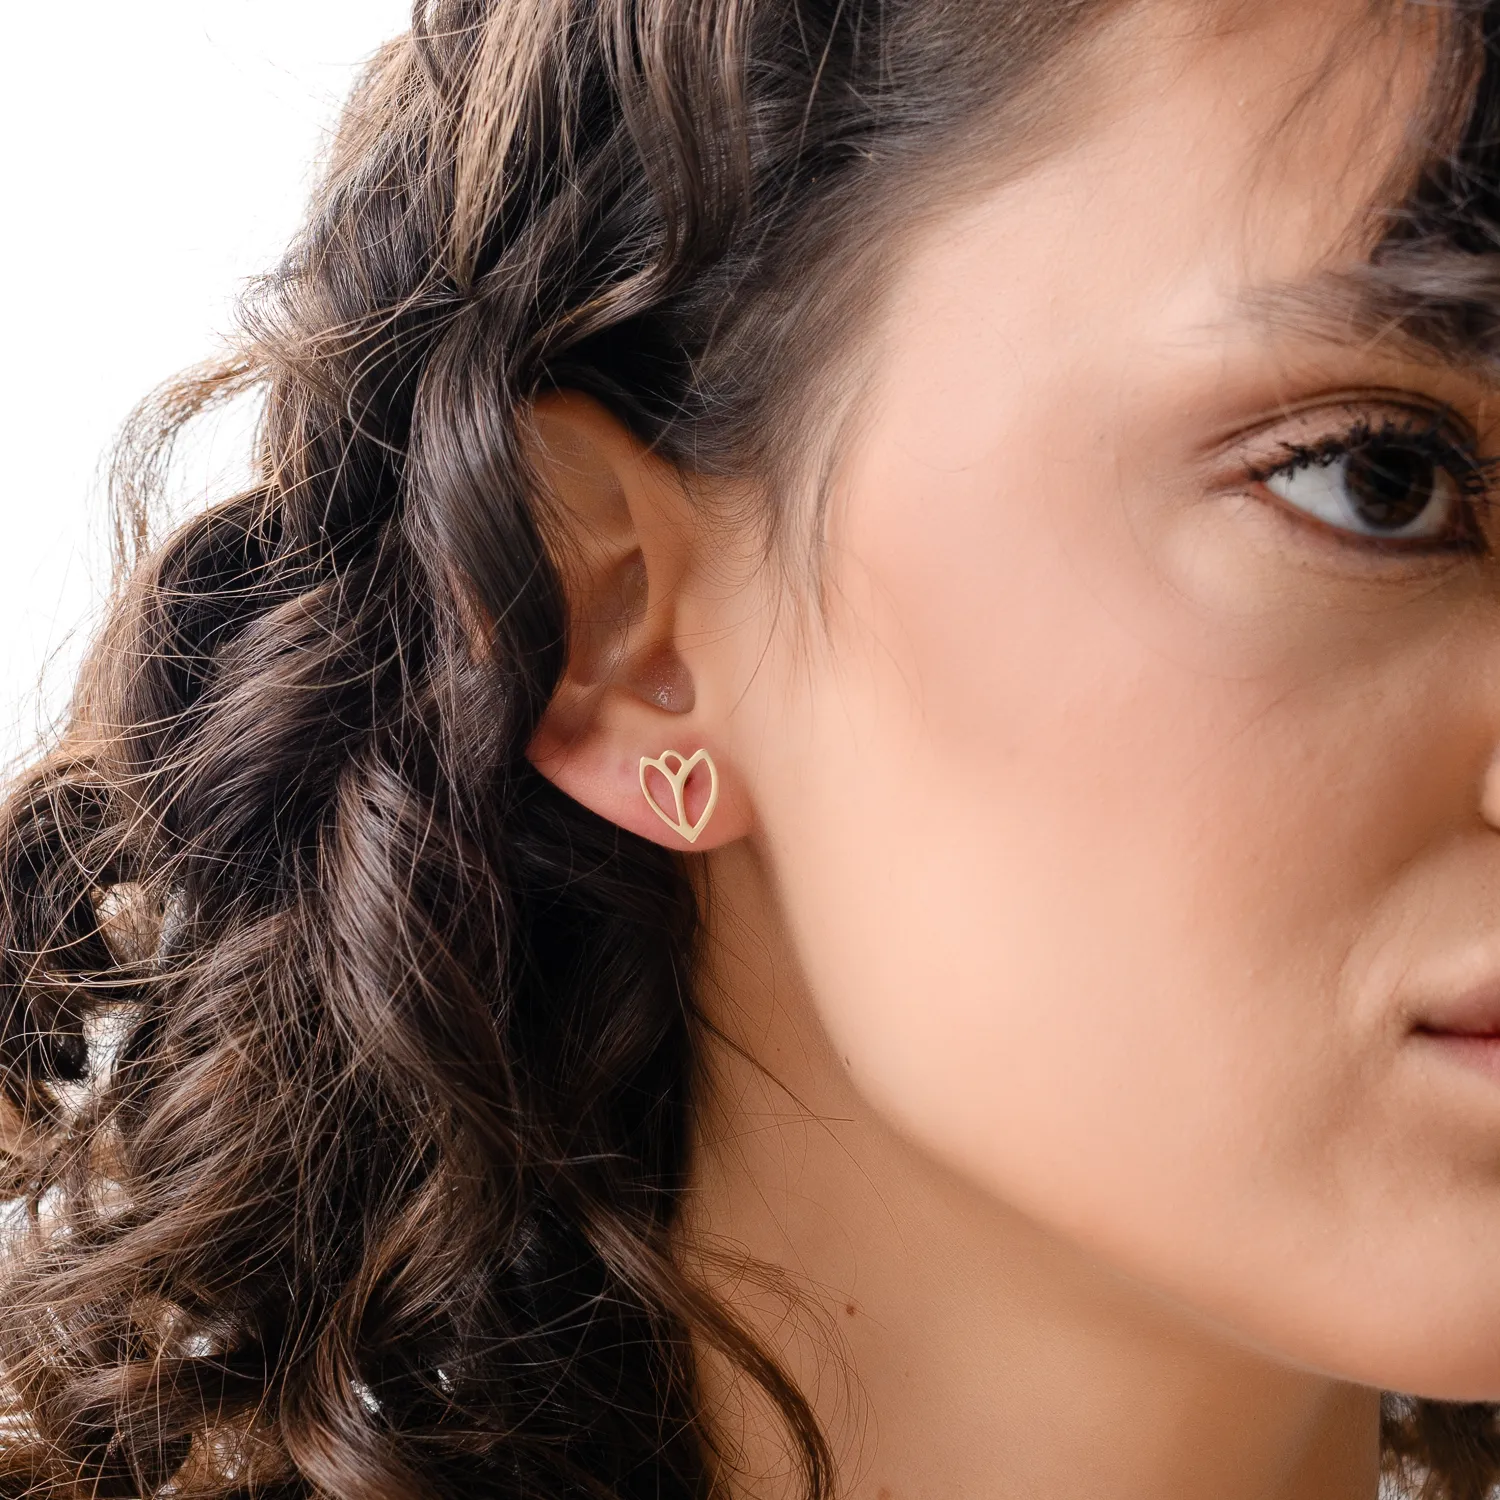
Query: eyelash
[[1431, 436]]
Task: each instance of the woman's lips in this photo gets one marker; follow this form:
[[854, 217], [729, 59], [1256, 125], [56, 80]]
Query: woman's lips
[[1479, 1051], [1475, 1013], [1467, 1029]]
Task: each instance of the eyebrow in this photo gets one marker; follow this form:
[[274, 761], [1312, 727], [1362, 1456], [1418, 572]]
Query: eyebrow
[[1437, 302]]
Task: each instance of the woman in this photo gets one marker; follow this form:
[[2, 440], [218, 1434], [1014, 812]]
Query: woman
[[830, 822]]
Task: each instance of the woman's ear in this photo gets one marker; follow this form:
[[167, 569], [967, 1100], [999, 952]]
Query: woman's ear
[[628, 718]]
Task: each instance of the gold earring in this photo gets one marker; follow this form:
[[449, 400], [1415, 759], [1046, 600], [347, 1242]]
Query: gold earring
[[677, 780]]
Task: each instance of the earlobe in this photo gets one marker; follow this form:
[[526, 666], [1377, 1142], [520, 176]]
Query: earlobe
[[682, 799]]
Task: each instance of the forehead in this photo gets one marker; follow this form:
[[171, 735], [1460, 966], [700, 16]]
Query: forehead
[[1291, 128], [1187, 158], [1222, 163]]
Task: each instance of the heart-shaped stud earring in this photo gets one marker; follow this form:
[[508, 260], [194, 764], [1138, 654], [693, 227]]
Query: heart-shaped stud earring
[[677, 768]]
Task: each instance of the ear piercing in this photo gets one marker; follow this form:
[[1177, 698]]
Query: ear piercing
[[677, 768]]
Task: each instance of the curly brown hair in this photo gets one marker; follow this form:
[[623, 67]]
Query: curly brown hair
[[349, 1064]]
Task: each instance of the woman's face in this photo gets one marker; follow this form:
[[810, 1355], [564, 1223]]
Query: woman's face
[[1131, 808]]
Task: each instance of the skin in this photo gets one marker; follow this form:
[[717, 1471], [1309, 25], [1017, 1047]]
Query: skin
[[1083, 871]]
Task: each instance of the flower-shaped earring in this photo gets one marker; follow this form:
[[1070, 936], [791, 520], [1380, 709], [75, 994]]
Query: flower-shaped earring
[[677, 768]]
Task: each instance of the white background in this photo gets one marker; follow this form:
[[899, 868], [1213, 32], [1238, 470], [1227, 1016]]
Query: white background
[[157, 154]]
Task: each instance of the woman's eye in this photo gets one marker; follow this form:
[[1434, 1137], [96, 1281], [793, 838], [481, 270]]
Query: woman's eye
[[1412, 488]]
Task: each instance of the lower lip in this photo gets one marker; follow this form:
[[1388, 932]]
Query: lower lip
[[1478, 1051]]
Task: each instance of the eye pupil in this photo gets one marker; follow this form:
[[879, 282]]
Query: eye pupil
[[1390, 485]]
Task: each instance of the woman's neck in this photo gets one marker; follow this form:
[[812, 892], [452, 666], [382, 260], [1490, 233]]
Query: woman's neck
[[950, 1346]]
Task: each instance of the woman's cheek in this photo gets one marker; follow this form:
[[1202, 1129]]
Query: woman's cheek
[[984, 811], [1070, 890]]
